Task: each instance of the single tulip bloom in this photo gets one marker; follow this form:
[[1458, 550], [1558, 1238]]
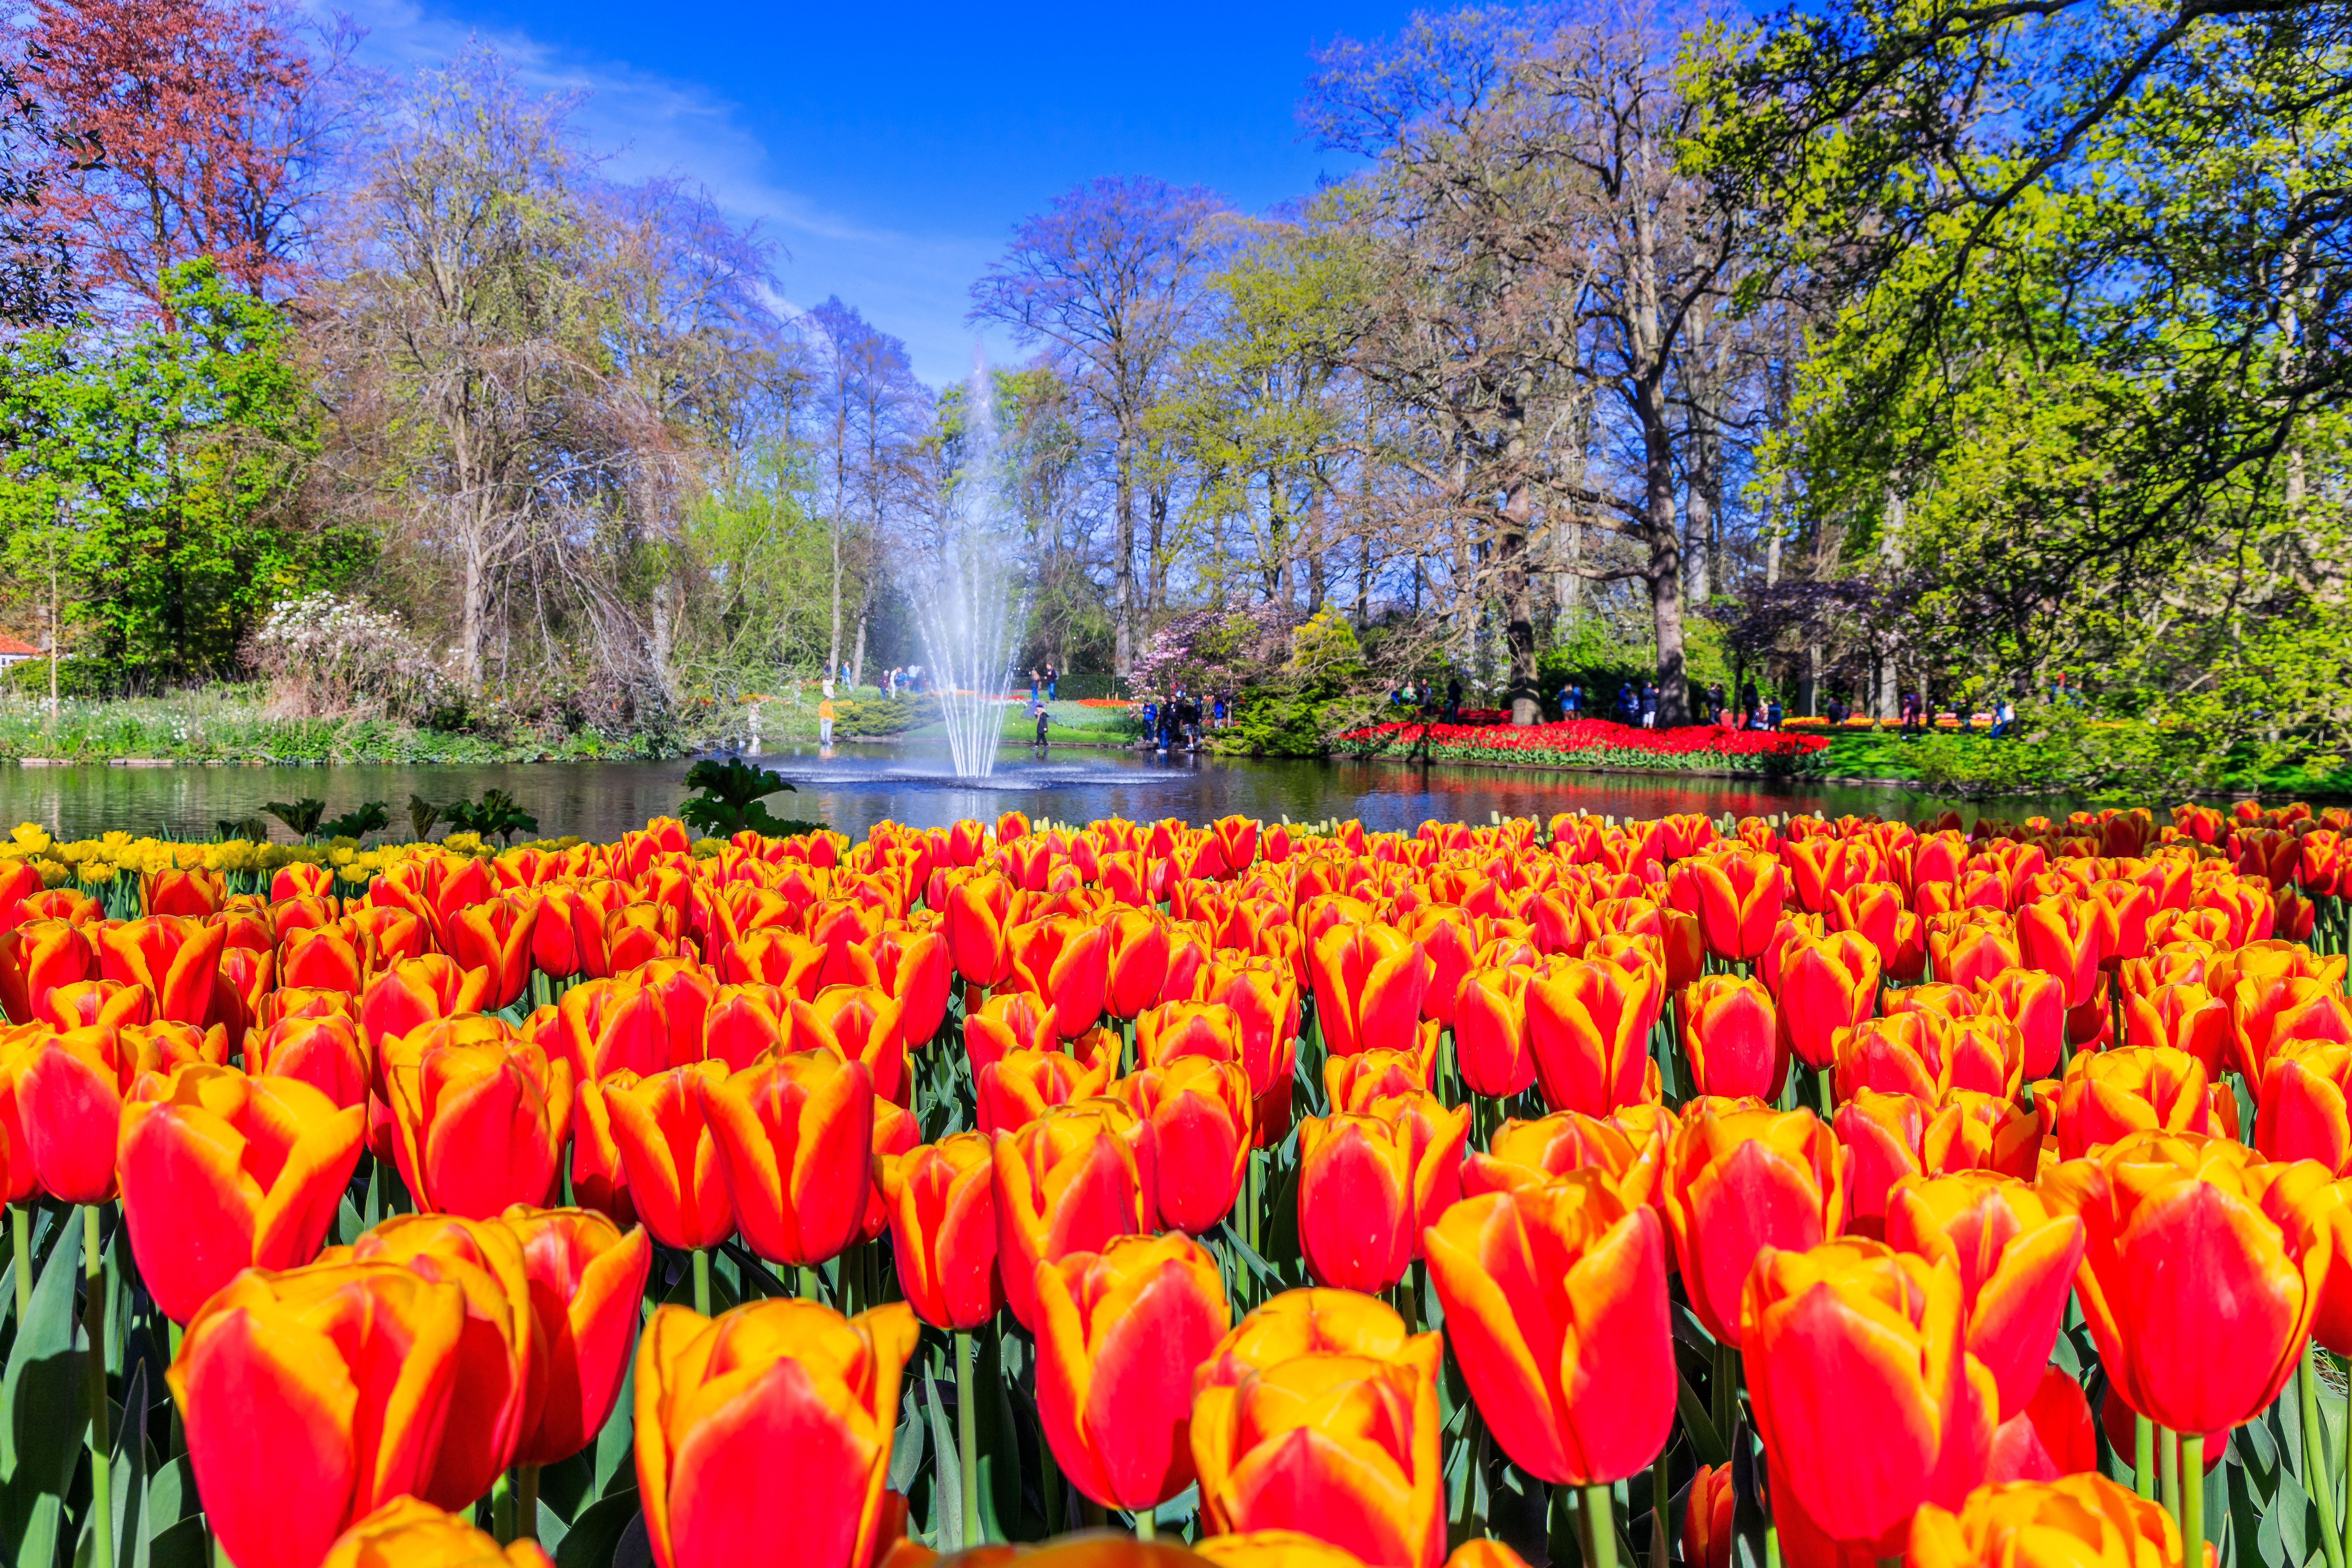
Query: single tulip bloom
[[1068, 1182], [220, 1172], [1120, 1334], [313, 1398], [324, 1052], [1342, 1447], [2164, 1209], [1200, 1115], [864, 1021], [1490, 1032], [37, 957], [2036, 1004], [88, 1004], [1739, 898], [1896, 1055], [1589, 1027], [2016, 1259], [2109, 1097], [1883, 1133], [2060, 936], [795, 1135], [1352, 1083], [1022, 1084], [976, 912], [1008, 1021], [1865, 1393], [2302, 1114], [670, 1151], [1629, 1147], [2265, 1016], [1731, 1036], [1174, 1029], [1739, 1179], [482, 1120], [2185, 1016], [1367, 1183], [2052, 1436], [942, 1203], [2076, 1519], [1306, 1321], [1136, 961], [1067, 959], [418, 991], [496, 936], [1369, 982], [1827, 984], [177, 959], [587, 1275], [913, 967], [501, 1380], [771, 1423], [1707, 1519], [1554, 1302], [69, 1096], [1971, 1132], [324, 958]]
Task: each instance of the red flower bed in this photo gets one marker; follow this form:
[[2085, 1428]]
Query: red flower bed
[[1588, 742]]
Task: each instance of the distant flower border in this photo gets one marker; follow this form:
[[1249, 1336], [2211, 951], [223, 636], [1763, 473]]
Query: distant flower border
[[1589, 744]]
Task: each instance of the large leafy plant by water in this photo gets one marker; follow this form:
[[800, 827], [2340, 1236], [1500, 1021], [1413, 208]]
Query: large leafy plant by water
[[729, 797]]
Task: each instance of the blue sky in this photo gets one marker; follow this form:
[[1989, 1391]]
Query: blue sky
[[892, 148]]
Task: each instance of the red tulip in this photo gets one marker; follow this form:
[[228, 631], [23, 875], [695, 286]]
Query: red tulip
[[587, 1276]]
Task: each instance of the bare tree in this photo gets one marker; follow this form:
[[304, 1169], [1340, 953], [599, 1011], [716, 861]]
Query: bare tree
[[1108, 279]]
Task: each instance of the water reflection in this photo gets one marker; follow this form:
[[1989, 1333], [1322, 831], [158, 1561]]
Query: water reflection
[[861, 785]]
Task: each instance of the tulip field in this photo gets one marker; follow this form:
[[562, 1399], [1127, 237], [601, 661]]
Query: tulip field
[[1615, 1194]]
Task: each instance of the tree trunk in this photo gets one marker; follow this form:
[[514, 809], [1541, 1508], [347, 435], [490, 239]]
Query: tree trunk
[[1123, 548], [1666, 564], [469, 613], [661, 641]]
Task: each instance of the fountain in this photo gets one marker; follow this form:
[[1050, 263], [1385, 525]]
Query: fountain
[[969, 609]]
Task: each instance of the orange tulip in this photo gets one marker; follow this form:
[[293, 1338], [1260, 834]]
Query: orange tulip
[[2163, 1209], [417, 991], [586, 1278], [864, 1021], [1068, 1182], [600, 1177], [1972, 1132], [795, 1135], [1707, 1519], [2036, 1004], [2016, 1261], [2060, 936], [2073, 1520], [1120, 1334], [1866, 1397], [1741, 1178], [1882, 1133], [37, 957], [2111, 1096], [1731, 1036], [2302, 1113], [1067, 959], [324, 1052], [1369, 982], [1740, 897], [1352, 1083], [1008, 1021], [1304, 1321], [1896, 1055], [769, 1424], [1629, 1147], [1554, 1302], [2186, 1016], [313, 1398], [912, 965], [1490, 1032], [1827, 984], [1020, 1086], [1589, 1027], [69, 1094], [942, 1202], [975, 915], [773, 956], [86, 1003], [175, 958], [1967, 952], [1263, 995], [2266, 1015], [1369, 1184], [327, 958], [1341, 1446], [1174, 1029], [1136, 961], [1200, 1115], [496, 936], [409, 1530], [502, 1379], [220, 1172], [671, 1152], [482, 1117]]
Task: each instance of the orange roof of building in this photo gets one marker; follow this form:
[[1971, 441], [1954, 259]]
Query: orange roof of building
[[10, 644]]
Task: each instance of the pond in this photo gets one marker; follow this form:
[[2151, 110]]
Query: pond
[[861, 785]]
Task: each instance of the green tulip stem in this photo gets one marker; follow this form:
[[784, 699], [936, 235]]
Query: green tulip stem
[[1147, 1524], [702, 1281], [808, 1286], [1407, 1307], [1828, 1103], [2167, 1469], [2318, 1479], [1772, 1546], [2192, 1498], [527, 1502], [101, 1484], [2144, 1458], [1600, 1520], [967, 1438], [1659, 1480], [20, 1233]]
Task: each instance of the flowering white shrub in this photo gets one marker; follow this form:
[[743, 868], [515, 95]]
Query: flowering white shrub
[[327, 655]]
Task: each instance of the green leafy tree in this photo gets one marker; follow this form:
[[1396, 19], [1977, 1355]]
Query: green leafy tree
[[149, 478]]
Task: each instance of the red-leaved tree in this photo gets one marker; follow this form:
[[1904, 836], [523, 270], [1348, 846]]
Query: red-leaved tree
[[206, 121]]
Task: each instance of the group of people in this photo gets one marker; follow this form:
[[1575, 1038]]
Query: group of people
[[1178, 722]]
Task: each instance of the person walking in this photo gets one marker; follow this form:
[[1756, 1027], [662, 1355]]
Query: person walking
[[1572, 701], [824, 717], [1037, 711], [1715, 701], [1454, 699], [1649, 705], [1053, 679]]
